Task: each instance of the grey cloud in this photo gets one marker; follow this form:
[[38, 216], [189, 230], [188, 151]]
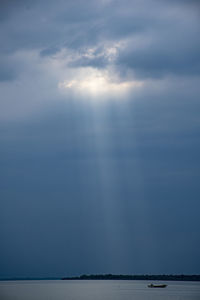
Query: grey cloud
[[97, 62], [44, 25], [10, 68], [97, 58], [49, 51], [174, 46], [152, 62], [8, 71], [8, 8], [190, 3], [172, 49]]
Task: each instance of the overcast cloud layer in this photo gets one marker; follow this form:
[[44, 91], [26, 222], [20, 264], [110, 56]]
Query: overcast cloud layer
[[99, 137]]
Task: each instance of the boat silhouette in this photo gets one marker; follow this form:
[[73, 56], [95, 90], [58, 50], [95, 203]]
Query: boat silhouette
[[157, 285]]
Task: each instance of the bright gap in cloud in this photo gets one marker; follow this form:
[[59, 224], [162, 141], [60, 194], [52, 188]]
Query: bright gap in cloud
[[97, 83]]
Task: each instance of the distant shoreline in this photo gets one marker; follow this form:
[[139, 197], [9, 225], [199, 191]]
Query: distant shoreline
[[181, 277], [163, 277]]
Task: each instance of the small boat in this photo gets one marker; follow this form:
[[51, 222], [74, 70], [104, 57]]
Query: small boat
[[157, 285]]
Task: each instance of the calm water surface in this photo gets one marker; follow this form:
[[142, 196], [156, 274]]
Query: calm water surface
[[96, 290]]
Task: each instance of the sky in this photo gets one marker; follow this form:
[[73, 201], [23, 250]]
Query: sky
[[99, 137]]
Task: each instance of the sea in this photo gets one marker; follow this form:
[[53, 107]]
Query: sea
[[97, 290]]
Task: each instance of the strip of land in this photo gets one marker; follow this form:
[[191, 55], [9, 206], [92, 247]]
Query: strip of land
[[163, 277], [135, 277]]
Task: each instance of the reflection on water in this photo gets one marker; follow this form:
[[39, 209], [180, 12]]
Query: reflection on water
[[96, 290]]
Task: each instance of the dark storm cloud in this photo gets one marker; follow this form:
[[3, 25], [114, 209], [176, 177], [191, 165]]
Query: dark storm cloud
[[190, 3], [46, 25], [165, 55], [172, 48], [10, 7], [161, 39], [97, 58], [49, 51]]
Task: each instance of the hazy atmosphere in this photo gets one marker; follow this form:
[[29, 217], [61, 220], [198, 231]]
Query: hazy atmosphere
[[99, 137]]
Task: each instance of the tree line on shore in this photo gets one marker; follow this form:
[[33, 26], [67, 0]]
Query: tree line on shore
[[165, 277]]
